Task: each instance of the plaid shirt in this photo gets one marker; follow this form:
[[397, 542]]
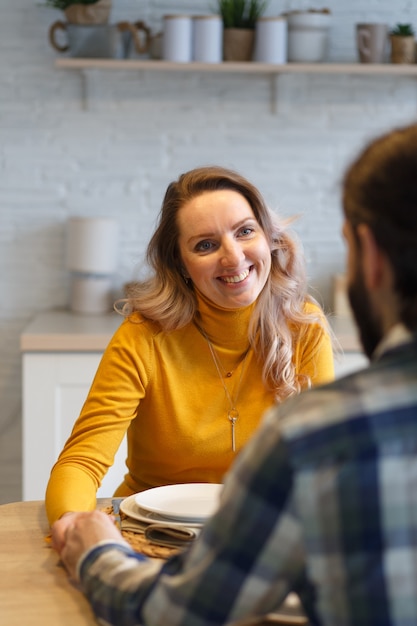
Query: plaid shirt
[[322, 501]]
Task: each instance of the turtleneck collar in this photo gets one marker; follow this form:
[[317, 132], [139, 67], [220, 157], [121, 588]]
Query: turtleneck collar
[[225, 327]]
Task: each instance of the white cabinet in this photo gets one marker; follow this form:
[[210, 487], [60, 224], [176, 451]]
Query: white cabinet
[[349, 362], [352, 357], [55, 386]]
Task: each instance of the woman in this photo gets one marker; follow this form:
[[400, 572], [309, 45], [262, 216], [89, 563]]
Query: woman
[[221, 330]]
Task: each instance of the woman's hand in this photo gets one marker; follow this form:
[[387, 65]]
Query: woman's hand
[[75, 533]]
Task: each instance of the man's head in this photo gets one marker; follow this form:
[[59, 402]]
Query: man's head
[[380, 206]]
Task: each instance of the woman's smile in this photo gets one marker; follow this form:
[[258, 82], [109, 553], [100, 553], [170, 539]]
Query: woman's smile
[[239, 278]]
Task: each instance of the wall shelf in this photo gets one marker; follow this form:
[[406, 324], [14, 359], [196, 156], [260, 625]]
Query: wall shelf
[[232, 67], [87, 66]]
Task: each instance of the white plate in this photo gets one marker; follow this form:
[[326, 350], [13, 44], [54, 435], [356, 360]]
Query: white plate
[[185, 502], [129, 507]]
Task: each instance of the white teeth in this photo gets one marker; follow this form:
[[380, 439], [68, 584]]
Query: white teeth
[[236, 279]]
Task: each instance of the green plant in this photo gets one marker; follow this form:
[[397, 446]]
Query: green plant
[[241, 13], [403, 30], [64, 4]]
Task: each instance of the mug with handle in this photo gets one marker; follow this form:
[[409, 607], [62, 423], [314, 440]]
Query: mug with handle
[[372, 40], [100, 40]]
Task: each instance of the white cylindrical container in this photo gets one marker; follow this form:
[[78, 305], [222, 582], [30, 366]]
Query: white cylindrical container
[[308, 36], [92, 245], [207, 39], [178, 39], [271, 40], [90, 295]]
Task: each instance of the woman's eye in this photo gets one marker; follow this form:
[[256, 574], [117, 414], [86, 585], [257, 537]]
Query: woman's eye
[[247, 230], [204, 246]]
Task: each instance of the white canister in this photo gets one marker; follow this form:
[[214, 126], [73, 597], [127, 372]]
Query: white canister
[[308, 35], [271, 40], [208, 38], [177, 38]]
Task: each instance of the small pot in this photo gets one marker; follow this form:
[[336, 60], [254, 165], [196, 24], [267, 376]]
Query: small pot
[[238, 44], [403, 49]]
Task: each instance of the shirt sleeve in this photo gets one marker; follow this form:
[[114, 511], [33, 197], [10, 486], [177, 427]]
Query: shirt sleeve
[[248, 557]]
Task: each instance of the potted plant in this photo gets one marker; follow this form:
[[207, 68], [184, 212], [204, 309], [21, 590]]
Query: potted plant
[[403, 45], [239, 21], [83, 11]]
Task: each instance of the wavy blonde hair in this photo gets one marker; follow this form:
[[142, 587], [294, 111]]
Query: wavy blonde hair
[[279, 317]]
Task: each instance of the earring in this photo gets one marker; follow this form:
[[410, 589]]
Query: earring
[[184, 275]]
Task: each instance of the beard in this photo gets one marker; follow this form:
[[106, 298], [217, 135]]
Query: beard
[[368, 323]]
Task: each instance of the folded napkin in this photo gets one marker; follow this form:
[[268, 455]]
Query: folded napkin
[[132, 525], [173, 537], [162, 534]]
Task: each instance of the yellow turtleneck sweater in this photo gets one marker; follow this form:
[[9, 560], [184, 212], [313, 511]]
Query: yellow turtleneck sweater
[[165, 391]]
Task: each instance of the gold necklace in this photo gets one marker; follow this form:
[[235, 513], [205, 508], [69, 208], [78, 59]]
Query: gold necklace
[[232, 413]]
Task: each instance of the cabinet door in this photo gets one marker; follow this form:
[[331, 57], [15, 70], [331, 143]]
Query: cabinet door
[[55, 386]]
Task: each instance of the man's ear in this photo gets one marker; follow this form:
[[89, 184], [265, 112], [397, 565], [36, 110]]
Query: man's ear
[[372, 258]]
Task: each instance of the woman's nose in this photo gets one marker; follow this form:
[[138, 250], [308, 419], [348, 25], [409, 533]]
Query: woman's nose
[[231, 254]]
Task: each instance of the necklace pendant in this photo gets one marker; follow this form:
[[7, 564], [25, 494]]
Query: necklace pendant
[[233, 416], [233, 413]]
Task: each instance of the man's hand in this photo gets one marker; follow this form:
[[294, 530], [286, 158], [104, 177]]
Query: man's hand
[[75, 533]]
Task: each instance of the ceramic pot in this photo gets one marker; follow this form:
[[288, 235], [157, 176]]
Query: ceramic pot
[[85, 14], [403, 49], [308, 36], [238, 44]]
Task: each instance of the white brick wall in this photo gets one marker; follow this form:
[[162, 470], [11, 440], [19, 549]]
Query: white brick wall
[[141, 130]]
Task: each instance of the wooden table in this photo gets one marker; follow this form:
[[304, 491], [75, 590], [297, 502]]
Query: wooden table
[[34, 588]]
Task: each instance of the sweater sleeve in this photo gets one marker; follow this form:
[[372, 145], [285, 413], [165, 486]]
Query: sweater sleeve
[[112, 403], [314, 352]]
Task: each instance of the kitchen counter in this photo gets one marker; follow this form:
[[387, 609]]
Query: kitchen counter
[[64, 331]]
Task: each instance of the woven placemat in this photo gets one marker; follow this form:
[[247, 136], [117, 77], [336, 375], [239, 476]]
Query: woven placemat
[[136, 540], [140, 543]]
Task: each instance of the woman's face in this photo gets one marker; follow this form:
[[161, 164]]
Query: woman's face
[[223, 248]]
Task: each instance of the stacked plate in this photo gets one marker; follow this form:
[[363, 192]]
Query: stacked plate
[[188, 504]]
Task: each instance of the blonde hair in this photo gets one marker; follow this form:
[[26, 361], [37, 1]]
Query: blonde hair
[[279, 315]]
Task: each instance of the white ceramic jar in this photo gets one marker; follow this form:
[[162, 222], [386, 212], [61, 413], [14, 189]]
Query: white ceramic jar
[[177, 38], [207, 39], [308, 36], [271, 40]]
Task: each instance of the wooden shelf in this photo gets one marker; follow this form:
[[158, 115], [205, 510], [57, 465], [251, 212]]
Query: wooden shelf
[[232, 67], [88, 69]]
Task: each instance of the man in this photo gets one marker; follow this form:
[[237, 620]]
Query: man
[[323, 500]]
